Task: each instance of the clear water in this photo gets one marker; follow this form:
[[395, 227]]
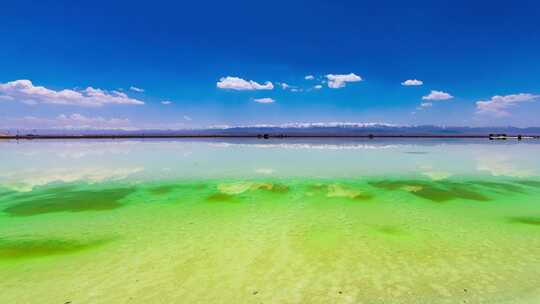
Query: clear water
[[252, 221]]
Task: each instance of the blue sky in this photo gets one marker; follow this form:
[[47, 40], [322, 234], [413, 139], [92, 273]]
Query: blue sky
[[478, 63]]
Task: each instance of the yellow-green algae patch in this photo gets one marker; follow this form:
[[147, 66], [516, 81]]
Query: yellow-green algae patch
[[167, 189], [272, 187], [18, 249], [236, 187], [436, 191], [67, 199], [337, 190], [354, 191], [499, 186], [220, 197], [527, 220]]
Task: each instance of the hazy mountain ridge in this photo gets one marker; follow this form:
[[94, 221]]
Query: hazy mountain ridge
[[298, 129]]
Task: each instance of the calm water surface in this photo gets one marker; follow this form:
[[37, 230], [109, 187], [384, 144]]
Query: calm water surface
[[253, 221]]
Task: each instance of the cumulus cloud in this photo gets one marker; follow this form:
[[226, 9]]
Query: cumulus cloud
[[239, 84], [139, 90], [166, 102], [336, 81], [438, 95], [309, 77], [412, 82], [499, 105], [26, 92], [264, 100]]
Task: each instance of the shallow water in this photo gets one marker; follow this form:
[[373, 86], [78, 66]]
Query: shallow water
[[274, 221]]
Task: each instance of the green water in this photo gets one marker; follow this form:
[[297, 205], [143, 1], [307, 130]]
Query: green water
[[207, 222]]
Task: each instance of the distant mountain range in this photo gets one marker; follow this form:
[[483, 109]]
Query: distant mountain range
[[299, 129]]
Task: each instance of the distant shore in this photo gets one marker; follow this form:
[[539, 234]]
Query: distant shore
[[265, 136]]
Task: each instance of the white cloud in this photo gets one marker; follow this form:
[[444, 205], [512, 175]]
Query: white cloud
[[289, 87], [26, 180], [24, 91], [498, 105], [78, 121], [73, 121], [236, 83], [498, 164], [187, 118], [264, 100], [139, 90], [412, 82], [438, 95], [318, 87], [309, 77], [166, 102], [336, 81], [426, 104]]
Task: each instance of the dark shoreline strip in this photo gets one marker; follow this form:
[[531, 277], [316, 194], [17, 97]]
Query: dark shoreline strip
[[260, 136]]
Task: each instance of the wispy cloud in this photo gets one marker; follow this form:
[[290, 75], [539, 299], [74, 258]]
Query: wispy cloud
[[318, 87], [187, 118], [499, 105], [424, 105], [166, 102], [77, 121], [72, 121], [284, 85], [24, 91], [264, 100], [135, 89], [438, 95], [336, 81], [309, 77], [292, 88], [412, 82], [239, 84]]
